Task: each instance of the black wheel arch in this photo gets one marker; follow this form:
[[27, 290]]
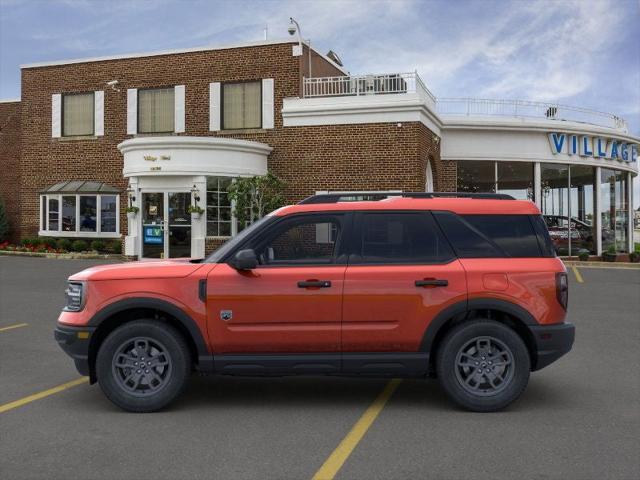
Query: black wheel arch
[[123, 311], [503, 311]]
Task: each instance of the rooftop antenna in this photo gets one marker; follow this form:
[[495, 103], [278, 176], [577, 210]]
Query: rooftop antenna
[[266, 32]]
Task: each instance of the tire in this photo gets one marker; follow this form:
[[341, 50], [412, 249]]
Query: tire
[[483, 365], [166, 365]]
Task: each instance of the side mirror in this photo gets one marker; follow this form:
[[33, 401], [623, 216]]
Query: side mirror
[[244, 260]]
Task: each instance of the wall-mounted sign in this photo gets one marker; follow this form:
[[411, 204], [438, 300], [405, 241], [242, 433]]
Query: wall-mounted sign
[[597, 147], [152, 235]]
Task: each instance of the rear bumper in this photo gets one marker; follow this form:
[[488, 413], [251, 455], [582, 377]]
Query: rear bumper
[[552, 342], [74, 341]]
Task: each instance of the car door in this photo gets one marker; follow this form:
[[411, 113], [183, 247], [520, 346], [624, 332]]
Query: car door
[[401, 274], [291, 303]]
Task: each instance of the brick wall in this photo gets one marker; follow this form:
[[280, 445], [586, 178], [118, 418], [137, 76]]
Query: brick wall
[[10, 161], [339, 157]]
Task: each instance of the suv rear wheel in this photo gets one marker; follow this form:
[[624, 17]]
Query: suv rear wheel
[[483, 365], [143, 365]]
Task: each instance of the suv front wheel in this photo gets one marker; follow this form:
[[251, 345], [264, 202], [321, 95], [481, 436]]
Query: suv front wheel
[[483, 365], [143, 365]]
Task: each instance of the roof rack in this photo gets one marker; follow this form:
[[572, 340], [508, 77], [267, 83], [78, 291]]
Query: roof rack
[[376, 196]]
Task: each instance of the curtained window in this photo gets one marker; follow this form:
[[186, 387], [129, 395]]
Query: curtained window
[[241, 105], [77, 114], [156, 110]]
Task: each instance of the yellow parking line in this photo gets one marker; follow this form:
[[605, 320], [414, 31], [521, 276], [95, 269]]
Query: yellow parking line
[[334, 463], [11, 327], [577, 274], [37, 396]]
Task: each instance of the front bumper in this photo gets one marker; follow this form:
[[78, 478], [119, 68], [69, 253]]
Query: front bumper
[[552, 342], [75, 343]]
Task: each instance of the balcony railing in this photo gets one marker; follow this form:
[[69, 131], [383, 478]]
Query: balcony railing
[[400, 83], [357, 85], [528, 109]]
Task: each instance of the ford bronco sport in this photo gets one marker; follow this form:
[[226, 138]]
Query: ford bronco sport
[[465, 288]]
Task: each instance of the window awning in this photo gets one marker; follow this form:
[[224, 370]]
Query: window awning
[[81, 186]]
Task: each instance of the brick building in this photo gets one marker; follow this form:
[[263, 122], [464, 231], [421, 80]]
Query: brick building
[[163, 130]]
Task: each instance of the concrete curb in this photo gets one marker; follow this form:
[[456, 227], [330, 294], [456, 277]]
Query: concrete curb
[[66, 256], [613, 265]]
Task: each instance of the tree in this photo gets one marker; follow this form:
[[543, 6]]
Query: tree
[[254, 197], [4, 222]]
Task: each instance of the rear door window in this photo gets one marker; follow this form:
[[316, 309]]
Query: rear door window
[[399, 238], [490, 236]]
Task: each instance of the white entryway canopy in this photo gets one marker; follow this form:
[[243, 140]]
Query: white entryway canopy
[[173, 155]]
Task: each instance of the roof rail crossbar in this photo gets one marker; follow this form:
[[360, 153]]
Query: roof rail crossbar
[[376, 196]]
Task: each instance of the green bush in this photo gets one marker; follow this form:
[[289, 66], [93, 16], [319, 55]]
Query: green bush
[[115, 247], [583, 256], [64, 244], [29, 242], [79, 246], [47, 242], [98, 245]]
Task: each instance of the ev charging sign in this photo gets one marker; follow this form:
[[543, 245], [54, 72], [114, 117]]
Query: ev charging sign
[[596, 147]]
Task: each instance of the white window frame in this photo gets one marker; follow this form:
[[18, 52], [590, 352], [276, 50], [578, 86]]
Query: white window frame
[[77, 233]]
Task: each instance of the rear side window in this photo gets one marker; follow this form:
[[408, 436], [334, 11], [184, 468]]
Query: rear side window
[[490, 236], [400, 238], [544, 240]]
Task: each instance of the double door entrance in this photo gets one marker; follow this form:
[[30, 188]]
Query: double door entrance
[[166, 225]]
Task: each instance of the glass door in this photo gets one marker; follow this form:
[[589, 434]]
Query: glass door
[[153, 215], [179, 225]]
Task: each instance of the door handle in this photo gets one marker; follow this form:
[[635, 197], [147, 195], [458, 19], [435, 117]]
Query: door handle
[[314, 284], [432, 282]]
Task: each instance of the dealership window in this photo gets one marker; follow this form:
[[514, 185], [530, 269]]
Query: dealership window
[[582, 208], [511, 178], [476, 176], [554, 179], [67, 214], [241, 105], [614, 210], [515, 179], [156, 110], [78, 114]]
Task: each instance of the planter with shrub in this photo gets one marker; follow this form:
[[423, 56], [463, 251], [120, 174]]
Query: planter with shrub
[[583, 255], [79, 246], [610, 255]]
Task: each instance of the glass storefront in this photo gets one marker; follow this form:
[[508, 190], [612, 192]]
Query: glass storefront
[[568, 199], [614, 210], [515, 179], [476, 176], [511, 178]]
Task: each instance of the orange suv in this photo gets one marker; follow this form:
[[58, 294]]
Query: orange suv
[[462, 287]]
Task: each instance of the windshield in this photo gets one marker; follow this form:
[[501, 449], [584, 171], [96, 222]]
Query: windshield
[[232, 243]]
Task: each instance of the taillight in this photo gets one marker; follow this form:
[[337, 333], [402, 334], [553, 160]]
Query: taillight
[[562, 289]]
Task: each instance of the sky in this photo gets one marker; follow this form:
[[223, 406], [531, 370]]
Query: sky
[[584, 53]]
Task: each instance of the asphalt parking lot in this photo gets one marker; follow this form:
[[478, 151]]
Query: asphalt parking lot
[[578, 419]]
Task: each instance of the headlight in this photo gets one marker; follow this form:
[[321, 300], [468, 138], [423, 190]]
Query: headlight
[[75, 297]]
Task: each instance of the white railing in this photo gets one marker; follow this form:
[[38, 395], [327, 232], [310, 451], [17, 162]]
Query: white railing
[[356, 85], [524, 108], [402, 83]]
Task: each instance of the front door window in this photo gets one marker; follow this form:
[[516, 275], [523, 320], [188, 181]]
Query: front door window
[[166, 225]]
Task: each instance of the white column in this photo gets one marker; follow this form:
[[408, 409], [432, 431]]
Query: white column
[[132, 241], [56, 115], [98, 112], [132, 111], [630, 212], [199, 226], [214, 106], [179, 100], [537, 185], [598, 214]]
